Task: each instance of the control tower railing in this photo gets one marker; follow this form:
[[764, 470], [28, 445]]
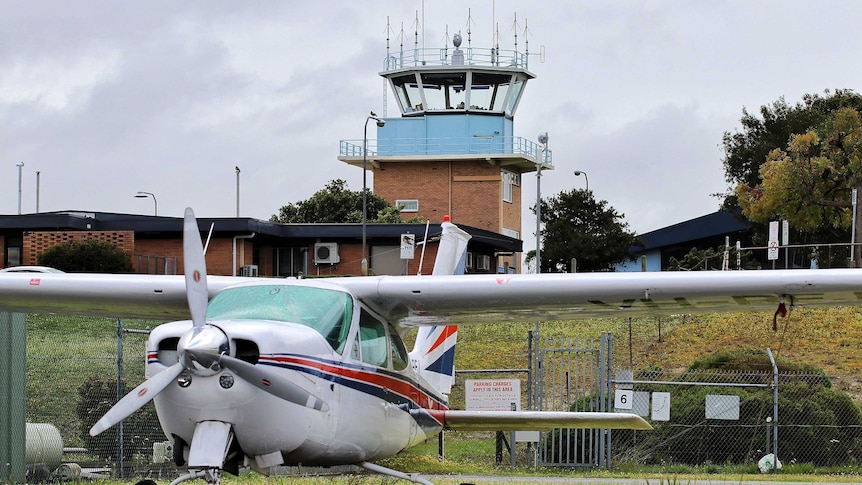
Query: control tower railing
[[447, 57], [514, 145]]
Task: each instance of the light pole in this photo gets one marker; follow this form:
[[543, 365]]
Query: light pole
[[543, 140], [380, 124], [20, 166], [578, 173], [237, 190], [144, 195]]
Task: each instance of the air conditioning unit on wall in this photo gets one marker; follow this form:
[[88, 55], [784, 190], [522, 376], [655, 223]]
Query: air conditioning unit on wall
[[326, 253]]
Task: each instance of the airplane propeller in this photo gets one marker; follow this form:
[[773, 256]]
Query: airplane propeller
[[262, 379], [205, 345]]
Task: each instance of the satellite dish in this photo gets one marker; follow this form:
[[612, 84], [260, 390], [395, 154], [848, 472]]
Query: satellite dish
[[543, 138]]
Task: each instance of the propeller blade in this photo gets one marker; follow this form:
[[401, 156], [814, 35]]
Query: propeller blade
[[264, 380], [195, 268], [136, 399]]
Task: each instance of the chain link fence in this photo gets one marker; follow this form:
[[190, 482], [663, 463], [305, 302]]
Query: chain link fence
[[72, 383], [728, 418]]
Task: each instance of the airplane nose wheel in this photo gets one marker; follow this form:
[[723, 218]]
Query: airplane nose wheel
[[211, 475]]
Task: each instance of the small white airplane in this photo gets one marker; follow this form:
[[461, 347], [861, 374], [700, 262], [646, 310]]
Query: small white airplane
[[272, 371]]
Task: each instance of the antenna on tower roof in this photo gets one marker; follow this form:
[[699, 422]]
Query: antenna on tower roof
[[469, 22], [416, 38], [515, 29], [446, 43]]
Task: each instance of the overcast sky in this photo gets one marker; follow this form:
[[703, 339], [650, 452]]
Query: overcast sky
[[108, 98]]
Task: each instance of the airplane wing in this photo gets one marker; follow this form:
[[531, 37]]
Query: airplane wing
[[536, 420], [111, 295], [464, 299]]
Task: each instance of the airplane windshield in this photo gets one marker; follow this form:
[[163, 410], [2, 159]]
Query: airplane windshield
[[327, 311]]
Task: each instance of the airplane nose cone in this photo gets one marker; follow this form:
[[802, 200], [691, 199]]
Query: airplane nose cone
[[204, 342]]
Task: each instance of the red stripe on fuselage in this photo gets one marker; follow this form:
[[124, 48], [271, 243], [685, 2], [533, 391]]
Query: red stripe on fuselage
[[392, 384]]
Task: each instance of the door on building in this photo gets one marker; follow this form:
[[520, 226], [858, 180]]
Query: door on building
[[291, 261]]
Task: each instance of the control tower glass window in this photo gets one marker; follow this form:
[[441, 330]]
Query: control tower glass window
[[444, 90], [488, 91], [409, 95], [512, 103]]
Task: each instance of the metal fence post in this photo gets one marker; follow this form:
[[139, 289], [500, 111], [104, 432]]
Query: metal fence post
[[13, 344], [774, 409], [120, 392]]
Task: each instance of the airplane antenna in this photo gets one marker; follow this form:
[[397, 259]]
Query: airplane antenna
[[209, 236], [424, 244]]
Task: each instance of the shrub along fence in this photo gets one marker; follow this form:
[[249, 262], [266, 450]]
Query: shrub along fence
[[727, 417]]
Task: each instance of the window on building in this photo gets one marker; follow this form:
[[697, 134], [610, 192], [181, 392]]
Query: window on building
[[407, 205], [14, 251], [511, 233], [510, 180], [291, 261], [483, 262]]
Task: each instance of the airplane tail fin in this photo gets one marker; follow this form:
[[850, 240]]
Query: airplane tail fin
[[433, 355]]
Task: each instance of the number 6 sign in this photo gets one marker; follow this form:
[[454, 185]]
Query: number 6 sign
[[623, 398]]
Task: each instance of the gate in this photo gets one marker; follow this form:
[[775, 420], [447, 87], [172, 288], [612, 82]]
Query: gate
[[574, 375]]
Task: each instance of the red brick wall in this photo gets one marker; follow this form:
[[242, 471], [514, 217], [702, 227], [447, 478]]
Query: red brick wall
[[219, 255], [468, 191], [37, 242]]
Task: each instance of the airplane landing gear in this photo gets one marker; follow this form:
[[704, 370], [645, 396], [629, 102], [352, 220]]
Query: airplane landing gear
[[209, 475]]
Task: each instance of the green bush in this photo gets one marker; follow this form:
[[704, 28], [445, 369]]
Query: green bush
[[87, 256], [140, 430], [817, 424]]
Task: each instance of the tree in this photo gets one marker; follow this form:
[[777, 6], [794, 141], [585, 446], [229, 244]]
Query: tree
[[810, 183], [87, 256], [335, 203], [745, 151], [578, 226]]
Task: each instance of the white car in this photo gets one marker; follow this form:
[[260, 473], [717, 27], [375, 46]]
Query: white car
[[30, 269]]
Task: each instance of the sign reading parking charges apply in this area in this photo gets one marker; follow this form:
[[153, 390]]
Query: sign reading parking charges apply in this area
[[492, 394]]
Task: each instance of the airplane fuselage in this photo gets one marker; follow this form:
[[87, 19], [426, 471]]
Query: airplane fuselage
[[376, 405]]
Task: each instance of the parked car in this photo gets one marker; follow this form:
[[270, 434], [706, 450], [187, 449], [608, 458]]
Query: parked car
[[30, 269]]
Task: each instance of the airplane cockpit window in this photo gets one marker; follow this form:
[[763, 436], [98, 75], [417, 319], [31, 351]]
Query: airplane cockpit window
[[399, 353], [372, 337], [325, 310]]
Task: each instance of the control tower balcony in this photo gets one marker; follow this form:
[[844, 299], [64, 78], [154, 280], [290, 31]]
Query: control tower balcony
[[515, 153]]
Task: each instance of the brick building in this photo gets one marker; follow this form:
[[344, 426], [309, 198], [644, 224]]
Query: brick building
[[243, 245]]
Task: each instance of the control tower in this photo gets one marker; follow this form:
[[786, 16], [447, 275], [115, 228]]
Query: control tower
[[452, 151]]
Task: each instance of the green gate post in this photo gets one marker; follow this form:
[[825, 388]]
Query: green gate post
[[13, 379]]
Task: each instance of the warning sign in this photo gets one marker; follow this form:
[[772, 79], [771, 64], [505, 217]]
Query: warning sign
[[492, 395]]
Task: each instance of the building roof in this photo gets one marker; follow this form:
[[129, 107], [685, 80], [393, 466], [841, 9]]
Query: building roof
[[710, 225], [144, 224]]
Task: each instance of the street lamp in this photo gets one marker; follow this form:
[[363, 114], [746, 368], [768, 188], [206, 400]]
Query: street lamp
[[144, 195], [237, 190], [380, 124], [543, 140], [578, 173], [20, 166]]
